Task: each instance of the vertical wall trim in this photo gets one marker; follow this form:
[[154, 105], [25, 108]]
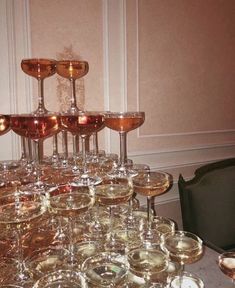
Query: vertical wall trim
[[106, 69], [115, 63], [16, 45], [124, 54]]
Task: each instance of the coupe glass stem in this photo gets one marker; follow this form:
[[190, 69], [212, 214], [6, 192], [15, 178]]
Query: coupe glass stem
[[23, 149], [73, 107], [84, 163], [55, 154], [20, 258], [38, 160], [181, 271], [75, 152], [41, 106], [71, 241], [123, 153], [65, 148], [149, 200], [95, 148], [95, 143], [111, 219]]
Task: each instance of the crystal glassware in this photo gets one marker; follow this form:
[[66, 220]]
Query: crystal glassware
[[182, 247], [151, 184], [186, 280], [72, 70], [16, 211], [83, 124], [226, 262], [105, 270], [147, 263], [70, 205], [40, 69], [36, 127], [61, 278], [112, 195], [123, 122], [46, 260]]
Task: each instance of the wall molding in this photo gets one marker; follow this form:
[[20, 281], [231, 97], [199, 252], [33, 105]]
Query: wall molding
[[16, 86], [207, 132]]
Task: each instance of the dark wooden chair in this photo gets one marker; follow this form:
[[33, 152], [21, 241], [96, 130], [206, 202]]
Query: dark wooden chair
[[208, 204]]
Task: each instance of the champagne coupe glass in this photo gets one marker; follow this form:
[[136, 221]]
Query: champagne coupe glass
[[40, 69], [123, 122], [147, 263], [36, 127], [186, 280], [70, 205], [84, 124], [111, 195], [151, 184], [105, 269], [163, 225], [16, 212], [134, 202], [46, 260], [226, 262], [61, 278], [182, 247], [72, 70]]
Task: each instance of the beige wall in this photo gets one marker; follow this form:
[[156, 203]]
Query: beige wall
[[179, 65], [62, 29], [172, 59]]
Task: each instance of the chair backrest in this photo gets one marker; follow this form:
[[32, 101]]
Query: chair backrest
[[208, 203]]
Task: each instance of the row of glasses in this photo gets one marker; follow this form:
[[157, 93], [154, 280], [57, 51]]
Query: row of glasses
[[36, 127], [72, 70], [83, 124], [152, 271], [106, 194], [41, 69], [160, 186]]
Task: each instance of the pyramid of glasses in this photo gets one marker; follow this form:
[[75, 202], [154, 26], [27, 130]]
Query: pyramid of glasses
[[71, 219]]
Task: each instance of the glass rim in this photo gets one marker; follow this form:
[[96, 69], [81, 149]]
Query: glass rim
[[230, 254], [72, 61], [38, 59], [124, 113], [182, 232]]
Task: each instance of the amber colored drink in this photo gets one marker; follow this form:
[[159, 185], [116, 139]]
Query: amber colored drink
[[71, 205], [4, 124], [151, 184], [147, 261], [82, 123], [182, 248], [112, 194], [227, 264], [121, 122], [72, 69], [39, 68], [35, 126]]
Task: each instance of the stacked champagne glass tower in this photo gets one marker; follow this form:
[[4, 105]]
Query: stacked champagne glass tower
[[72, 221]]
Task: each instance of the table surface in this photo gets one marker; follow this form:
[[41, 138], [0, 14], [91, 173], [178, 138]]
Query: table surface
[[207, 269]]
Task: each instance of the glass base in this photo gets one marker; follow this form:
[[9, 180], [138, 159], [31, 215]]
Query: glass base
[[122, 172], [86, 180], [186, 280]]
